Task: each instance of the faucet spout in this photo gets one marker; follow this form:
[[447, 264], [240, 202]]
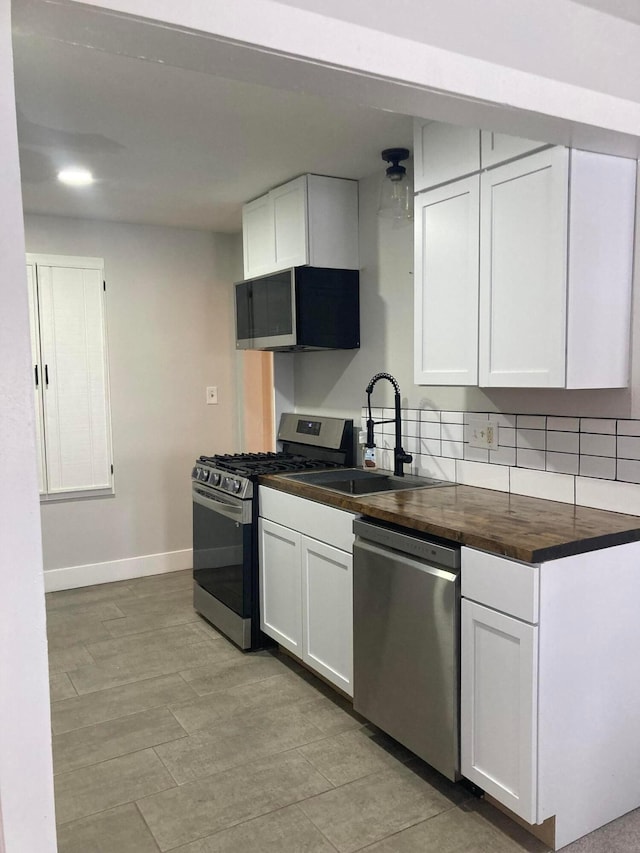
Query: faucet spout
[[400, 457]]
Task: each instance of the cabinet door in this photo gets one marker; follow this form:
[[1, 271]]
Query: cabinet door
[[258, 237], [523, 272], [38, 378], [327, 612], [495, 148], [446, 284], [443, 152], [280, 585], [76, 399], [499, 690], [291, 227]]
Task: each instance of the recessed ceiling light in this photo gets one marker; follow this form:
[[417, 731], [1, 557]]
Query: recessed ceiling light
[[76, 177]]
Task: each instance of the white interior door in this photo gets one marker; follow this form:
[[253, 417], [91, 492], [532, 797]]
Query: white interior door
[[76, 406], [38, 378]]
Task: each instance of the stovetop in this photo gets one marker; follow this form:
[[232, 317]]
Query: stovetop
[[254, 464], [235, 473], [307, 442]]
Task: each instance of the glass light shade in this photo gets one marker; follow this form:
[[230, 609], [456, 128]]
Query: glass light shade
[[395, 201], [75, 177]]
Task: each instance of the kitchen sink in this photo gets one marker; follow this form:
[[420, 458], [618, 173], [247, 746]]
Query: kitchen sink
[[357, 481]]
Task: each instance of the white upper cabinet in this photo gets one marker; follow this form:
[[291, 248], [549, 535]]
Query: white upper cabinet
[[556, 251], [523, 262], [443, 152], [495, 148], [446, 291], [547, 304], [312, 220], [258, 236], [291, 227]]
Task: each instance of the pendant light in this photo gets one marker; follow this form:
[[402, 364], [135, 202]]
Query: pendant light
[[396, 200]]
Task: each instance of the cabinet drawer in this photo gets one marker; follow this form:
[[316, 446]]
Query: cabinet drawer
[[500, 583], [325, 523]]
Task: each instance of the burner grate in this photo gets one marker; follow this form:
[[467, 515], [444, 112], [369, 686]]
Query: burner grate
[[254, 464]]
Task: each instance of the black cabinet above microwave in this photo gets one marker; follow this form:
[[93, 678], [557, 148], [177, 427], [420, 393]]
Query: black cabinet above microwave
[[301, 308]]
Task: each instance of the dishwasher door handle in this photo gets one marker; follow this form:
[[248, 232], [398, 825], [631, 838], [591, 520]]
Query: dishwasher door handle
[[404, 560]]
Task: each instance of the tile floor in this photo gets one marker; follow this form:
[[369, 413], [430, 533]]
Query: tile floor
[[167, 738]]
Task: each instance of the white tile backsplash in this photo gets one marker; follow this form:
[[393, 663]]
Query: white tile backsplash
[[531, 439], [547, 456], [543, 484], [504, 420], [531, 421], [503, 456], [431, 446], [411, 428], [603, 467], [506, 436], [628, 427], [602, 425], [629, 470], [454, 449], [563, 463], [597, 445], [483, 475], [563, 442], [564, 424], [437, 467], [429, 430], [628, 447], [476, 454], [452, 432], [608, 494], [531, 459]]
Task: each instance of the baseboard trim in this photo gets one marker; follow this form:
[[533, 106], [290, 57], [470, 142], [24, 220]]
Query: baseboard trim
[[72, 577]]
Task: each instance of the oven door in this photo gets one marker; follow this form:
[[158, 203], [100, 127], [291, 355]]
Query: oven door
[[222, 561]]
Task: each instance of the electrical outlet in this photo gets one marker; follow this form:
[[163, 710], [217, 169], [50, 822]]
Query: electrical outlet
[[483, 432], [212, 395]]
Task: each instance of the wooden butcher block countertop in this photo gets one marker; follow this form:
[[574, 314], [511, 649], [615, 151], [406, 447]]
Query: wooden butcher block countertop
[[528, 529]]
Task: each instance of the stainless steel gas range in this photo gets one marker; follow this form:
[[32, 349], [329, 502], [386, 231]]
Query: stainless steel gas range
[[225, 513]]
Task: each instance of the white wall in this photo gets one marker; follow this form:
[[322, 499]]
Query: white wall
[[335, 381], [452, 73], [169, 321], [26, 779]]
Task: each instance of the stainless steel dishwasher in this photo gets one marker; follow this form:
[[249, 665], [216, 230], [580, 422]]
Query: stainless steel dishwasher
[[406, 651]]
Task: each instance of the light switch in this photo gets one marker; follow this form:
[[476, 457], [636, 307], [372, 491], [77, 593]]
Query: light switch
[[212, 395]]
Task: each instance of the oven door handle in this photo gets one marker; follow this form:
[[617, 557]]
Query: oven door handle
[[216, 504]]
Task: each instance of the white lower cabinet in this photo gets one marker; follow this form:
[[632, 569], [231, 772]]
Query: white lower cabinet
[[327, 612], [499, 706], [280, 585], [306, 583]]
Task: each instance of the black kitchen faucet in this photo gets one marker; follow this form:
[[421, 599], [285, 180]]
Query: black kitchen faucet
[[399, 455]]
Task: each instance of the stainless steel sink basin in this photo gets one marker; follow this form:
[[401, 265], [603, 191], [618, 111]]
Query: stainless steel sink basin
[[357, 481]]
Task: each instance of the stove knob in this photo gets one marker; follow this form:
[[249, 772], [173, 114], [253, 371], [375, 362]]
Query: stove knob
[[235, 485], [194, 473], [214, 479], [203, 474]]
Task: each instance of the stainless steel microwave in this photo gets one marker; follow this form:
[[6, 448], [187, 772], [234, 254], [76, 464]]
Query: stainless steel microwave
[[301, 308]]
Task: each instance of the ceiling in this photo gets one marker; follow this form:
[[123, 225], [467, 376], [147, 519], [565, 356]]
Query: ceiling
[[172, 145]]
